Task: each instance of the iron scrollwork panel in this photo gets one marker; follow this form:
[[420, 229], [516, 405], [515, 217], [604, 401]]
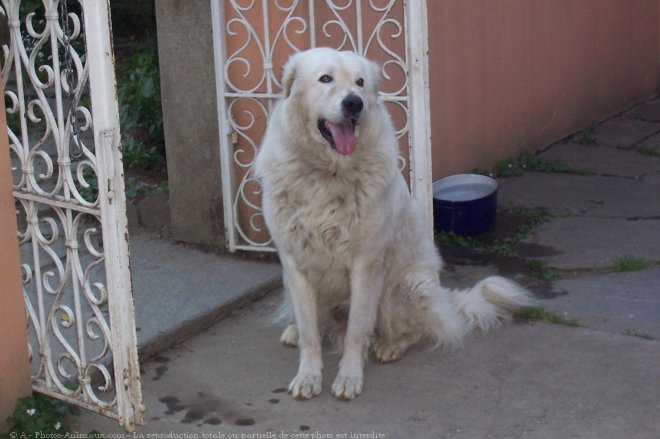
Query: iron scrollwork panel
[[55, 178], [258, 37]]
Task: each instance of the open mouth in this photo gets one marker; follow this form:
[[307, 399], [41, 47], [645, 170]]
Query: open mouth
[[340, 136]]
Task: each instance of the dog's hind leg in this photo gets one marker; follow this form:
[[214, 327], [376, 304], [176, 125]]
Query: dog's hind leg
[[286, 314], [289, 336], [416, 308], [388, 350]]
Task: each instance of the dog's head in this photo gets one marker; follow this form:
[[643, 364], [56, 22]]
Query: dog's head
[[331, 94]]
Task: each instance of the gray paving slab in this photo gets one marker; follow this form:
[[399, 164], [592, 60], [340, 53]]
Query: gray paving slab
[[568, 194], [652, 144], [624, 303], [603, 160], [653, 178], [180, 290], [539, 381], [576, 243], [648, 111], [623, 132]]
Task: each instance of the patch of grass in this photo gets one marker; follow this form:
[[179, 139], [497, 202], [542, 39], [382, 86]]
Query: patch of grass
[[461, 241], [627, 263], [164, 186], [515, 167], [532, 314], [141, 116], [587, 141], [533, 218], [503, 248], [583, 137], [135, 188], [38, 416], [541, 270], [528, 162], [137, 155], [138, 93], [500, 247], [645, 149], [635, 333]]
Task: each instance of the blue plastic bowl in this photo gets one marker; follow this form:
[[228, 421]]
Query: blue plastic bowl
[[464, 204]]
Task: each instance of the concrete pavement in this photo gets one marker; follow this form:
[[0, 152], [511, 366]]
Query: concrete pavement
[[537, 381], [609, 213], [179, 290], [534, 380]]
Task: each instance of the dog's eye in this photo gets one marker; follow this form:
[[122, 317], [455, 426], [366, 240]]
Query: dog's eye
[[360, 82], [325, 79]]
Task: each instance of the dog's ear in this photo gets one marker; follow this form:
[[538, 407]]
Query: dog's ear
[[290, 68], [373, 72]]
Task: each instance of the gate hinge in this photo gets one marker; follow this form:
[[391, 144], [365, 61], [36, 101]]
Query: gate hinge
[[111, 190], [107, 141], [231, 133]]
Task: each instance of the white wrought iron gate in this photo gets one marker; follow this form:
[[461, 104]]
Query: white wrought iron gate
[[68, 186], [253, 38]]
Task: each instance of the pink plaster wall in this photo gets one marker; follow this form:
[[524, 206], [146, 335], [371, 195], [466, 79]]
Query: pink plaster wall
[[513, 74], [14, 365]]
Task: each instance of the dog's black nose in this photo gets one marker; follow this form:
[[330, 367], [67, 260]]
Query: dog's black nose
[[352, 105]]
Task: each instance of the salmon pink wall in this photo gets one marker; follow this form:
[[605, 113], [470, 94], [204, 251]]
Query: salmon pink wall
[[14, 366], [512, 74]]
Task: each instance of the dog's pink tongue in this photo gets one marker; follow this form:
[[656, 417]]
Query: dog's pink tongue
[[343, 136]]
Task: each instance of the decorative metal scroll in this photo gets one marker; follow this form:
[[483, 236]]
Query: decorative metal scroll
[[68, 191], [252, 41]]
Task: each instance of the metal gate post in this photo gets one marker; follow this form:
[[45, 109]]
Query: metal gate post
[[113, 211], [224, 130], [417, 46]]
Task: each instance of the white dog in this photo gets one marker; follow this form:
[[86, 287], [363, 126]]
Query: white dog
[[355, 252]]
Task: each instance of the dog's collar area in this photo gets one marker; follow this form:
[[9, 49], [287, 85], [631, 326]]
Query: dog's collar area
[[323, 126]]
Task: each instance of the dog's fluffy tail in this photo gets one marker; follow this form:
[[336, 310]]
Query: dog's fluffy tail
[[483, 306], [490, 301]]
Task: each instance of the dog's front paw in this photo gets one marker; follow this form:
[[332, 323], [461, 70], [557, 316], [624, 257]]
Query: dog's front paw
[[305, 385], [347, 387]]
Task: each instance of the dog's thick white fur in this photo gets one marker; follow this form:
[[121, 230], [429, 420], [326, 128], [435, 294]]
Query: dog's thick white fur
[[350, 237]]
